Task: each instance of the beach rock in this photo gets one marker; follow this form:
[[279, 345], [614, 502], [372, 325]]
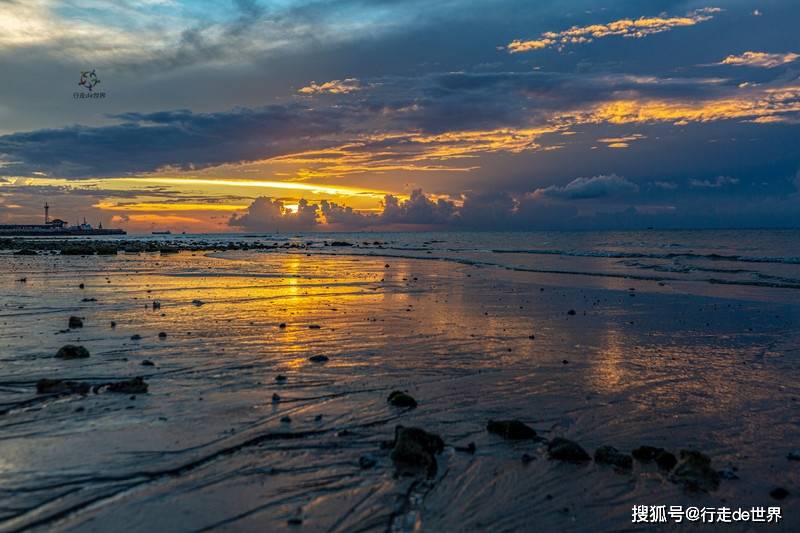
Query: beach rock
[[275, 398], [75, 322], [779, 493], [415, 451], [136, 385], [148, 362], [526, 458], [511, 429], [566, 450], [71, 351], [314, 326], [611, 456], [59, 386], [401, 399], [286, 419], [571, 312], [341, 243], [198, 303], [664, 459], [694, 472], [280, 378], [282, 325], [793, 455], [113, 324], [136, 337], [318, 359], [26, 251], [162, 335]]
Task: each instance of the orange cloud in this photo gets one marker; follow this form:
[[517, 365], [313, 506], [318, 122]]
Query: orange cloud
[[345, 86], [759, 59], [632, 28]]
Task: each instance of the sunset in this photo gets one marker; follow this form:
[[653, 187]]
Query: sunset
[[351, 265]]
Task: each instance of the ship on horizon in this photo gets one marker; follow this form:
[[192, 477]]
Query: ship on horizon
[[56, 227]]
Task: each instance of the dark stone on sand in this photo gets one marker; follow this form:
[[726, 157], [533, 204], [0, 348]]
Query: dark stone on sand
[[694, 472], [318, 359], [59, 386], [71, 351], [571, 312], [282, 325], [566, 450], [162, 335], [113, 324], [75, 322], [295, 521], [401, 399], [664, 459], [81, 286], [511, 429], [136, 337], [341, 243], [275, 398], [366, 462], [611, 456], [727, 473], [26, 251], [526, 458], [148, 362], [415, 450], [469, 448], [136, 385], [286, 419], [280, 378], [793, 455], [779, 493], [314, 326]]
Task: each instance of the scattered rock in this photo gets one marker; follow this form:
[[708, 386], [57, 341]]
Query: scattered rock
[[511, 429], [469, 448], [664, 459], [611, 456], [59, 386], [526, 458], [779, 493], [286, 419], [571, 312], [318, 359], [136, 385], [314, 326], [282, 325], [148, 362], [727, 473], [136, 337], [367, 461], [280, 378], [81, 286], [415, 451], [275, 398], [162, 335], [71, 351], [198, 303], [694, 472], [793, 455], [26, 251], [566, 450], [401, 399], [113, 324], [75, 322]]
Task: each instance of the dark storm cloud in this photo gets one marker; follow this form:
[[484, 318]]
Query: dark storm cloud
[[144, 142]]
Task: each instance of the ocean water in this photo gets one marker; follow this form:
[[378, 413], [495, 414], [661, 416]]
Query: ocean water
[[690, 260]]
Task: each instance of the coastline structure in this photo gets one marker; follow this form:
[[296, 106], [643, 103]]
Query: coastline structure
[[56, 227]]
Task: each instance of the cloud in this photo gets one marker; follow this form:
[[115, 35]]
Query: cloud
[[271, 215], [630, 28], [145, 142], [346, 86], [719, 182], [588, 188], [759, 59], [621, 142]]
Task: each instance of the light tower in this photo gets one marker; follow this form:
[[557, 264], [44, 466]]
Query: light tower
[[46, 213]]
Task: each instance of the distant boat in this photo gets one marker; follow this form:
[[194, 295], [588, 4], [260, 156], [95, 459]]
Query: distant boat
[[167, 232]]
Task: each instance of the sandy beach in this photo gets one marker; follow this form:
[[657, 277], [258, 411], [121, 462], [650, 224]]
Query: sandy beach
[[240, 430]]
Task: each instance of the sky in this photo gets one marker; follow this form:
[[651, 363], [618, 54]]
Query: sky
[[323, 115]]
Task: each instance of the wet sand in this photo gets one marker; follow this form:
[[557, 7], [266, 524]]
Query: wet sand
[[207, 447]]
